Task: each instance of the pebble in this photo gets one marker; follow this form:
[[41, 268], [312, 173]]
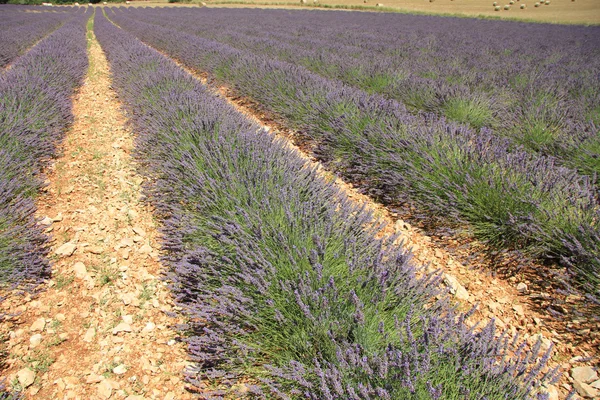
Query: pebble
[[93, 378], [519, 309], [455, 287], [120, 369], [80, 270], [26, 377], [585, 390], [522, 287], [35, 340], [122, 327], [66, 250], [38, 325], [128, 298], [105, 389], [145, 249], [584, 374], [95, 250], [127, 242], [89, 335], [47, 221]]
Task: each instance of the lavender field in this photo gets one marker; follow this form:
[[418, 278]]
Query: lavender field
[[503, 146], [288, 290], [291, 289]]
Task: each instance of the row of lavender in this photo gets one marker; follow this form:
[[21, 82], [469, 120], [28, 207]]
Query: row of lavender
[[288, 291], [543, 92], [19, 32], [35, 109], [507, 197]]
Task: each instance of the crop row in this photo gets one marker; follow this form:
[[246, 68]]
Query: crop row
[[507, 197], [285, 283], [542, 95], [35, 109], [15, 40]]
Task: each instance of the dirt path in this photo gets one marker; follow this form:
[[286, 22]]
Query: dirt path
[[101, 328]]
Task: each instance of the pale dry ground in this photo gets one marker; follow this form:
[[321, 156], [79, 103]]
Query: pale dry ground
[[100, 328], [559, 11]]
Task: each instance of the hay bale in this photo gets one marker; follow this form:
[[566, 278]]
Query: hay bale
[[495, 4], [522, 6], [507, 7], [497, 8]]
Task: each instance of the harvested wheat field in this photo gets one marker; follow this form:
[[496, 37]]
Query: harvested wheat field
[[246, 203]]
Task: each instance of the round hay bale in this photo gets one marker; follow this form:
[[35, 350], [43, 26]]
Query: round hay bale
[[497, 8], [495, 4], [536, 4], [511, 2], [507, 7], [522, 6], [547, 2]]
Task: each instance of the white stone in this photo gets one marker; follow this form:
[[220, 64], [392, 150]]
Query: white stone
[[66, 250], [89, 335], [149, 327], [519, 309], [120, 369], [522, 287], [38, 325], [80, 270], [455, 287], [104, 390], [585, 390], [122, 327], [145, 249], [47, 221], [35, 340], [584, 374], [26, 377], [552, 392]]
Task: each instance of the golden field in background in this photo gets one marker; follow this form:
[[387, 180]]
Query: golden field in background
[[559, 11]]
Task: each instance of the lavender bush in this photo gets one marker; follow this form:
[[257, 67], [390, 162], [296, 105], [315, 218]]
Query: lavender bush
[[35, 109], [543, 95], [18, 33], [508, 197], [284, 281]]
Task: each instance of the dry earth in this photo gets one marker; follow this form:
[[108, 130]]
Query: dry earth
[[101, 327]]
